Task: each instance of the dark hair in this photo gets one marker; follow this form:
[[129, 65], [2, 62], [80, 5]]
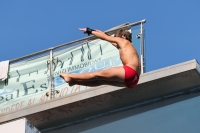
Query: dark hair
[[124, 33]]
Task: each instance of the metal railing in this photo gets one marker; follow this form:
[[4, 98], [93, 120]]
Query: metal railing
[[109, 32]]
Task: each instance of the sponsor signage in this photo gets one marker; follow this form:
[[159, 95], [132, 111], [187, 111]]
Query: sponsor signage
[[28, 81]]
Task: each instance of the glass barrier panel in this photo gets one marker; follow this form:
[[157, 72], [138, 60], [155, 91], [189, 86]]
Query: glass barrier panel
[[26, 85], [136, 40], [92, 56]]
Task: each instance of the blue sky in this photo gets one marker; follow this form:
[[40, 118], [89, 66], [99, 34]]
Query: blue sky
[[172, 27]]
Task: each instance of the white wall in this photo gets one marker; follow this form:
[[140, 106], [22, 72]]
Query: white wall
[[18, 126]]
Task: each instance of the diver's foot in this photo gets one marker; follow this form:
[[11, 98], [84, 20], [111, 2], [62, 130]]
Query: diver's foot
[[66, 77]]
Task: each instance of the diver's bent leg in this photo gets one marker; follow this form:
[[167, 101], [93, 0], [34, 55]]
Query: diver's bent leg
[[111, 74]]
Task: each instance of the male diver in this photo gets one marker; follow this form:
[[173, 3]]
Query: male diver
[[121, 76]]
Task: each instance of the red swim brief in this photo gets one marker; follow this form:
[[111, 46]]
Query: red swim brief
[[131, 77]]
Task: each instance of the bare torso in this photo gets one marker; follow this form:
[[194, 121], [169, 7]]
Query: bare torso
[[129, 55]]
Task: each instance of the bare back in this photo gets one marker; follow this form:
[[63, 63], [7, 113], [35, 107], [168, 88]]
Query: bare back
[[129, 55]]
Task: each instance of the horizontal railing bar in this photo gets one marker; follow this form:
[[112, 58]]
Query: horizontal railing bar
[[108, 31], [79, 40], [30, 55], [128, 25]]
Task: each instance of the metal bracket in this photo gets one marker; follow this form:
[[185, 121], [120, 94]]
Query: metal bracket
[[57, 60], [53, 92], [138, 36]]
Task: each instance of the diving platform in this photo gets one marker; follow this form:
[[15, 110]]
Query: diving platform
[[95, 102]]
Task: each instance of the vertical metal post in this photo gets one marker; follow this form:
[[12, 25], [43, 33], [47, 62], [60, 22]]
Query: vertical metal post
[[51, 74], [142, 48], [144, 51]]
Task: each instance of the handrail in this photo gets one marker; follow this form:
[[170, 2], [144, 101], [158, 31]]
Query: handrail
[[127, 25]]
